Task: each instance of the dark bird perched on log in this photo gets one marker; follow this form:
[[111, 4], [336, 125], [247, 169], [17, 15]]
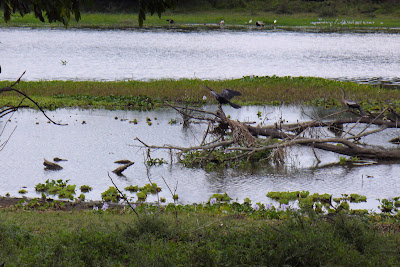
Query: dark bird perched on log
[[225, 96], [351, 104], [171, 21]]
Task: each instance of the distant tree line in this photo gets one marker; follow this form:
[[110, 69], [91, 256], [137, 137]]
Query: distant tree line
[[321, 7], [64, 10]]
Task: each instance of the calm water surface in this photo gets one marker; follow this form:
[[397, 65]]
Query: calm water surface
[[92, 148], [143, 55]]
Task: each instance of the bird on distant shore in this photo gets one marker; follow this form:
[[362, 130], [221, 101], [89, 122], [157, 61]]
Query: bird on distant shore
[[171, 21], [222, 22], [351, 104], [225, 96], [260, 24]]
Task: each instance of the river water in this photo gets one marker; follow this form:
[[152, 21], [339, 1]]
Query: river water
[[106, 136], [59, 54]]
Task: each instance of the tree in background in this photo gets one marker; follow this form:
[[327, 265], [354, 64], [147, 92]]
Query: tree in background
[[63, 10]]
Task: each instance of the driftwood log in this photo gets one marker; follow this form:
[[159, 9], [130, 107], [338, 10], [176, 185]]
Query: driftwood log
[[119, 170], [51, 165], [243, 136]]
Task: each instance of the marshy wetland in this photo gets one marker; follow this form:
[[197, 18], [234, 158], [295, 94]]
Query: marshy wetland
[[95, 138], [231, 221]]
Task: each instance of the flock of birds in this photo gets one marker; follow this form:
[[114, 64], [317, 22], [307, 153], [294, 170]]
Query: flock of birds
[[227, 94]]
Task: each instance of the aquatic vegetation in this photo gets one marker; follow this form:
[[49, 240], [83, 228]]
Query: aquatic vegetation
[[172, 121], [60, 188], [156, 162], [36, 204], [111, 195], [142, 192], [389, 205], [22, 191], [141, 195], [221, 158], [132, 188], [145, 95], [85, 188], [219, 198], [319, 203]]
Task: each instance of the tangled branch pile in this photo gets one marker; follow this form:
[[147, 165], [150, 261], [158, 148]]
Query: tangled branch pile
[[234, 142]]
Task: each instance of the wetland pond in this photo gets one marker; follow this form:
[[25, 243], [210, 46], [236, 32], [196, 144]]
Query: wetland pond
[[106, 136], [109, 55]]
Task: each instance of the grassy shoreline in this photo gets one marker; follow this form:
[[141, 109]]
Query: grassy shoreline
[[234, 20], [195, 235], [150, 94]]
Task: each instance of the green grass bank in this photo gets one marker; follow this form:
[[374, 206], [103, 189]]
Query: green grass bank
[[144, 95], [195, 236], [234, 20]]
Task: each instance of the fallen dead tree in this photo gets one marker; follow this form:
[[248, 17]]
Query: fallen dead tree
[[227, 141]]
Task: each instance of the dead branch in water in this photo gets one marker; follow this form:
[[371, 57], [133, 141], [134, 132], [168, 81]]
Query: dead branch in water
[[236, 140]]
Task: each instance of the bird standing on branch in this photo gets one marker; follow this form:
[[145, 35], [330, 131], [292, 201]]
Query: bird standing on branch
[[351, 104], [225, 96]]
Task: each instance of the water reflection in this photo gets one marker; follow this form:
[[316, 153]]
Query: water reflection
[[107, 136]]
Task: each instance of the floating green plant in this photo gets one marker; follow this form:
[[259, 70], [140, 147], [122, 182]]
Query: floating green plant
[[134, 121], [219, 197], [60, 188], [132, 188], [111, 194], [156, 162], [85, 188], [142, 195], [172, 121]]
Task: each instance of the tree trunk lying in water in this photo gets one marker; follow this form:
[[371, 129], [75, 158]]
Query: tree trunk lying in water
[[247, 140]]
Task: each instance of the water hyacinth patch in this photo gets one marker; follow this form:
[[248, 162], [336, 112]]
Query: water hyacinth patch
[[60, 188], [111, 195]]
